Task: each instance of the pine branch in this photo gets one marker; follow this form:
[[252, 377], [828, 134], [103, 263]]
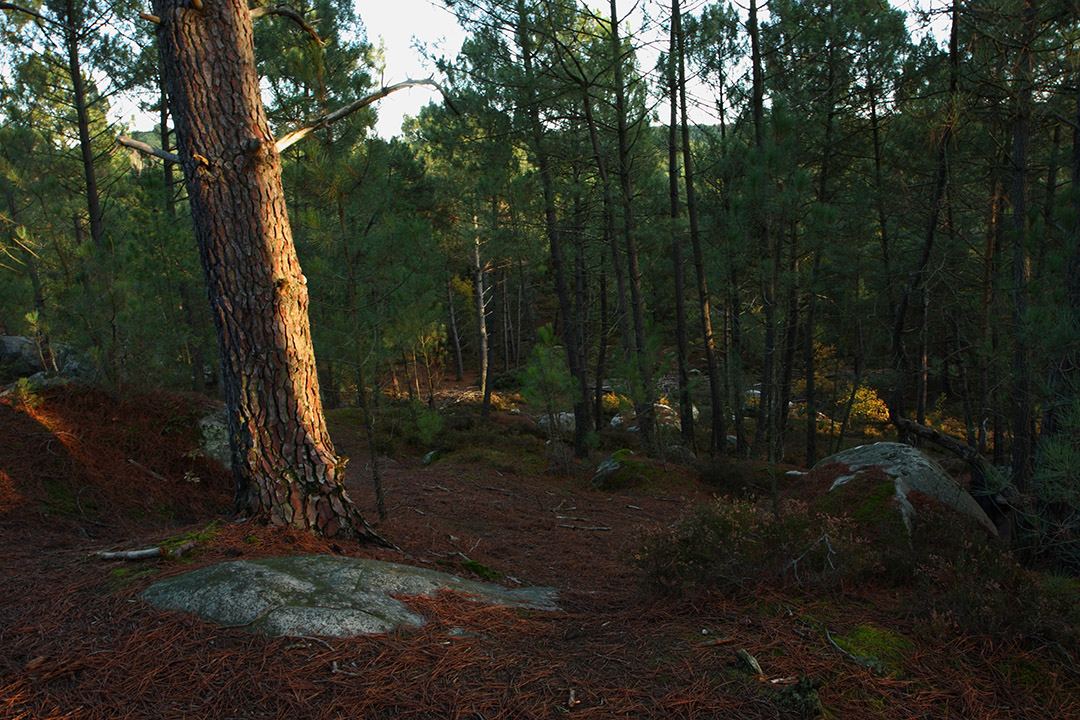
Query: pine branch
[[147, 149], [297, 135], [287, 12]]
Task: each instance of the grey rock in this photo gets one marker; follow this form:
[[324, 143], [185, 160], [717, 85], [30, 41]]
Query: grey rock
[[564, 422], [320, 595], [18, 356], [605, 471], [910, 470], [214, 432]]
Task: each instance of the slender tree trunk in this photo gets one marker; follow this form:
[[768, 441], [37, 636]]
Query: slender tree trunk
[[645, 405], [987, 408], [455, 338], [571, 334], [791, 333], [601, 350], [480, 303], [283, 461], [686, 404], [717, 434], [82, 116], [1023, 414], [922, 372], [879, 194], [581, 326], [763, 436], [1064, 382], [900, 357], [609, 233]]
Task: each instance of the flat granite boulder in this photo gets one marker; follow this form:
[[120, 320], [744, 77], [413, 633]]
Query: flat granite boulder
[[321, 595], [910, 470]]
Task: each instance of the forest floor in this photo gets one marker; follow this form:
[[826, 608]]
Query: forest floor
[[84, 472]]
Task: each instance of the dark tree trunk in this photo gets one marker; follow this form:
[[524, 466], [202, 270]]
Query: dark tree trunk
[[787, 363], [879, 193], [987, 376], [686, 405], [922, 372], [609, 228], [763, 436], [284, 463], [82, 116], [601, 349], [644, 404], [717, 432], [1065, 373], [571, 333], [1023, 413], [901, 360]]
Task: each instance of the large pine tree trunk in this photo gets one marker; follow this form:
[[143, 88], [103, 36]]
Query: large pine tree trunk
[[284, 464]]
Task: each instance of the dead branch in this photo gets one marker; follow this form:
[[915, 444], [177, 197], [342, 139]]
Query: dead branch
[[585, 527], [145, 553], [287, 12], [868, 663], [147, 149], [297, 135], [980, 466]]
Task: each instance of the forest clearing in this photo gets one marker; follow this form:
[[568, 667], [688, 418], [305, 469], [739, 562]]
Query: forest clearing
[[963, 632], [606, 317]]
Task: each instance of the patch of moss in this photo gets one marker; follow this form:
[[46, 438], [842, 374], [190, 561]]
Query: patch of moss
[[122, 578], [879, 647], [633, 472], [480, 570], [196, 536]]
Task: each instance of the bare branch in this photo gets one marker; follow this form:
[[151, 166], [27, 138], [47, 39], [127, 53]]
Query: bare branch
[[146, 552], [287, 12], [297, 135], [150, 18], [148, 149], [26, 11]]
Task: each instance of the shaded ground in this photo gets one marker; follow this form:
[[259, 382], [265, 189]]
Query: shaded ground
[[83, 473]]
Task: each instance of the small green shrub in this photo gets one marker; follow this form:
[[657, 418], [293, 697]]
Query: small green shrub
[[947, 570], [731, 476], [731, 543]]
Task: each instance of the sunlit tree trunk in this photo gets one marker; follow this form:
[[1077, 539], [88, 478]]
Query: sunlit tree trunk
[[284, 463]]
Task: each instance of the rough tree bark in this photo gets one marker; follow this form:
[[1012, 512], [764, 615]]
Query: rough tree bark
[[284, 463]]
